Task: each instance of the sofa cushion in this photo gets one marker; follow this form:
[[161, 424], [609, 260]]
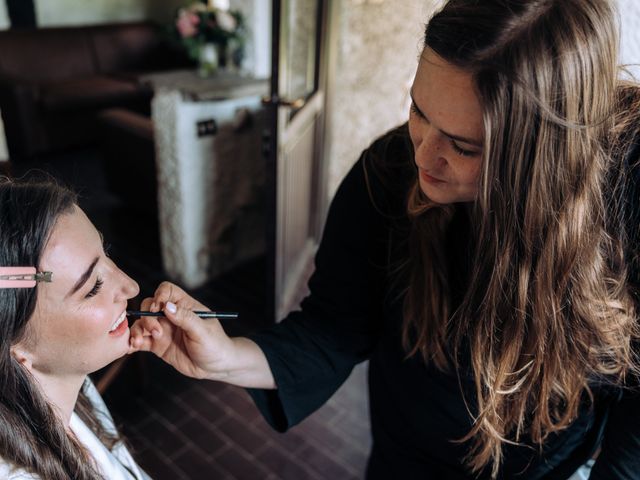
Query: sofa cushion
[[126, 138], [90, 92], [48, 54]]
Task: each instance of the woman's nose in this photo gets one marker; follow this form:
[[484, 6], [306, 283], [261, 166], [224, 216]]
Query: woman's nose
[[129, 287], [133, 288], [430, 149]]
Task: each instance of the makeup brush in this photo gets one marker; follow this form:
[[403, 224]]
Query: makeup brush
[[200, 313]]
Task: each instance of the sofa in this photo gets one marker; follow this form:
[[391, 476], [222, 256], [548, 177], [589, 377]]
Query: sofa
[[126, 140], [54, 81]]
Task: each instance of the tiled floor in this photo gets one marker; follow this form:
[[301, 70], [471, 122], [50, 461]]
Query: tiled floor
[[181, 428]]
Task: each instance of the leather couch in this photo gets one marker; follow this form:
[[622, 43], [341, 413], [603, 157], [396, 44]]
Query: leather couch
[[53, 81]]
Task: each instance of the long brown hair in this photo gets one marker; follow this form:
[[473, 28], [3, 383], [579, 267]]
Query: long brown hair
[[547, 308], [32, 436]]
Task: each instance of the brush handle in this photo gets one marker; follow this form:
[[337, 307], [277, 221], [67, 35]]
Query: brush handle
[[200, 313]]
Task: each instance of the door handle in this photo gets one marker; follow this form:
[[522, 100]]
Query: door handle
[[284, 102]]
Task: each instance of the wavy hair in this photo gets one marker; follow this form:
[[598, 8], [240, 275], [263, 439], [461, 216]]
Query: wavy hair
[[547, 308], [32, 436]]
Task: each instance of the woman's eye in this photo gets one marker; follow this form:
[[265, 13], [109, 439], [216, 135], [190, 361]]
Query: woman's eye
[[462, 151], [415, 111], [96, 288]]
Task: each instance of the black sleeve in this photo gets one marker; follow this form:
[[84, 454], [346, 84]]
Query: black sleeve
[[312, 351], [620, 455]]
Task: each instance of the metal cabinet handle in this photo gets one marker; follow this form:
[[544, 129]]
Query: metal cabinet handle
[[284, 102]]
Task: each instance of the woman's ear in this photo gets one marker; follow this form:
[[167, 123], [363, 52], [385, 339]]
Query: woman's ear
[[22, 356]]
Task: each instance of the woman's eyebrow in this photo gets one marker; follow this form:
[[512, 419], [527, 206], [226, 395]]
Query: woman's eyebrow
[[450, 135], [83, 278]]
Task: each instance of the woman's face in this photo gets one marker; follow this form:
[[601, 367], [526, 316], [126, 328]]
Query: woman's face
[[446, 129], [72, 329]]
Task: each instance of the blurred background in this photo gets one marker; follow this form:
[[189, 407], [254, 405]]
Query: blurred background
[[206, 140]]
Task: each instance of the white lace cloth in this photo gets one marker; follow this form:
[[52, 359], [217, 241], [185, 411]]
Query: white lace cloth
[[210, 186]]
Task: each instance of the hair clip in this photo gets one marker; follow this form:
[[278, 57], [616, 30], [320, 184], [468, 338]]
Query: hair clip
[[22, 277]]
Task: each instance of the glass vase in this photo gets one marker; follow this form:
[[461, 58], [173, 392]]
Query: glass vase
[[208, 60]]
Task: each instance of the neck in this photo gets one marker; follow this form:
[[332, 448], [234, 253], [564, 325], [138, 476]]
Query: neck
[[61, 391]]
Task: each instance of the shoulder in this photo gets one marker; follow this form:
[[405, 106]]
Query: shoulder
[[383, 174], [624, 178], [9, 472], [624, 169], [389, 159], [392, 143], [626, 131]]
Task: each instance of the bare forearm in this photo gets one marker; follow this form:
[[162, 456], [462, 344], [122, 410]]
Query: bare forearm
[[246, 367]]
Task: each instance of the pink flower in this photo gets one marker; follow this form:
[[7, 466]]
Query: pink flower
[[187, 23]]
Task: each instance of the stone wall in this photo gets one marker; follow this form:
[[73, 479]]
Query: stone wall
[[82, 12], [378, 46], [630, 35]]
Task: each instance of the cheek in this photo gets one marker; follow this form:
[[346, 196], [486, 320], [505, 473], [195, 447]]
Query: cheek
[[468, 171], [86, 326], [95, 321], [414, 132]]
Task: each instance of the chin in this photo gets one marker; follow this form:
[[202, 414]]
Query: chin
[[435, 194], [444, 194], [114, 353]]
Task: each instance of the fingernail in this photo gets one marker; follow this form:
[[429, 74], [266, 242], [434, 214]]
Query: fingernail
[[153, 307], [171, 307], [155, 333]]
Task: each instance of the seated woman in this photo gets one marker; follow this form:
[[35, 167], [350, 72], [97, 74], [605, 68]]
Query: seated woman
[[54, 332]]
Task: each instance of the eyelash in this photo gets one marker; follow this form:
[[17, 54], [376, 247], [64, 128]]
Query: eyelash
[[462, 151], [415, 110], [96, 288]]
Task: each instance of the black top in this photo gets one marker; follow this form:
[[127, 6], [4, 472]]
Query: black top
[[354, 313]]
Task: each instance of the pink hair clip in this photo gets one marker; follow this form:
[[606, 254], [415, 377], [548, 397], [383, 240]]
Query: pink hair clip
[[22, 277]]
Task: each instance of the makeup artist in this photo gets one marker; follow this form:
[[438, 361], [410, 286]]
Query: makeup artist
[[482, 257]]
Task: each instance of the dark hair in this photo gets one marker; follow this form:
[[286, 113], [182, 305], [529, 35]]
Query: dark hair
[[547, 306], [32, 436]]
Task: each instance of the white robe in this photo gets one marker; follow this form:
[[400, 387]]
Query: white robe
[[116, 464]]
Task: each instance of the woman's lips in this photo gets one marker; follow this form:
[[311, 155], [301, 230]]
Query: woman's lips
[[428, 178], [122, 328]]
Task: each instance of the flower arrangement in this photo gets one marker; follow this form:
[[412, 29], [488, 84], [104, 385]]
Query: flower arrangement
[[211, 22]]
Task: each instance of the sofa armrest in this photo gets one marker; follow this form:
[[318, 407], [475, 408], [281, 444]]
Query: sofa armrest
[[18, 104]]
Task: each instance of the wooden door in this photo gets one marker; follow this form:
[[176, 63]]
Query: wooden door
[[295, 175]]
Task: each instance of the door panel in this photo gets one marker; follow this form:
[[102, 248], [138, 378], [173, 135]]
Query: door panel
[[295, 233], [295, 147]]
